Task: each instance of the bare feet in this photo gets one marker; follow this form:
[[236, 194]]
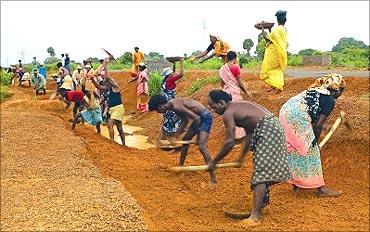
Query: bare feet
[[250, 222], [327, 192]]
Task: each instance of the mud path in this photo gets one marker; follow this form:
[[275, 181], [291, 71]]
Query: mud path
[[184, 202]]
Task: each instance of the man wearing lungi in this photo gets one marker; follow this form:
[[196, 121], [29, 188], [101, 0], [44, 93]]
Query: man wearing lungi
[[265, 137]]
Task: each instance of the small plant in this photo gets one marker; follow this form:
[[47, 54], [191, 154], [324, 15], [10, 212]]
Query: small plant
[[5, 81], [4, 93], [5, 78], [155, 83], [200, 82]]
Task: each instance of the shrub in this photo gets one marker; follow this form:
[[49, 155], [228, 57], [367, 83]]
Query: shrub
[[5, 78], [155, 82], [117, 66], [350, 57], [4, 93], [295, 60], [211, 64], [200, 82]]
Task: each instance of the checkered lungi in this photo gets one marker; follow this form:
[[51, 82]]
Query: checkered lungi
[[270, 159]]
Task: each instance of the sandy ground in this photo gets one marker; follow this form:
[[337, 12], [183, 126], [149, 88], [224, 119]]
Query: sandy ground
[[184, 202], [45, 182]]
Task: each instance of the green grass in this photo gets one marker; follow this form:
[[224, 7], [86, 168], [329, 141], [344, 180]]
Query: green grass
[[211, 64], [5, 81], [201, 82], [154, 83], [4, 93]]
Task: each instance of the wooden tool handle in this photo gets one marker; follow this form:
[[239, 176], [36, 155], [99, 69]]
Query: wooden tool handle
[[204, 167], [330, 133]]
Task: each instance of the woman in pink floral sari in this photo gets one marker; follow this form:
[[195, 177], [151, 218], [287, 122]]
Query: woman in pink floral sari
[[302, 118], [232, 84]]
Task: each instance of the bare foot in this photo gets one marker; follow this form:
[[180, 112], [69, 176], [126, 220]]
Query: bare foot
[[271, 89], [327, 192], [276, 91], [250, 222], [295, 189], [212, 185], [213, 181]]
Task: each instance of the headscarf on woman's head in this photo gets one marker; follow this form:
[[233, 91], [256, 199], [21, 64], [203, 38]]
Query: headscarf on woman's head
[[166, 72], [332, 81], [215, 36]]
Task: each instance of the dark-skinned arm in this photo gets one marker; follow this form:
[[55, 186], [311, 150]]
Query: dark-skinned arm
[[247, 147], [241, 85], [229, 141], [208, 57], [133, 79], [317, 127], [67, 102], [97, 85], [114, 84], [201, 55], [183, 124]]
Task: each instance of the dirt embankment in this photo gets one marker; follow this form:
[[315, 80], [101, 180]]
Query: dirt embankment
[[184, 202]]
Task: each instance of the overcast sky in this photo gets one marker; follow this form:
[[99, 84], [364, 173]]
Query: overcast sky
[[82, 28]]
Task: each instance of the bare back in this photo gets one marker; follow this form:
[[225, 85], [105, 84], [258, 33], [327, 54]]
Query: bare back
[[245, 114], [186, 107]]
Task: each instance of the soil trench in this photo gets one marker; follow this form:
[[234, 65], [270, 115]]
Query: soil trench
[[185, 202]]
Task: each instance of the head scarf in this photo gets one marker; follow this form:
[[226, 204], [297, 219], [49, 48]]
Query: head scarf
[[280, 13], [166, 72], [332, 81], [215, 36]]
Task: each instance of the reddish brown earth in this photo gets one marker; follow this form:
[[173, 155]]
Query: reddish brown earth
[[184, 202]]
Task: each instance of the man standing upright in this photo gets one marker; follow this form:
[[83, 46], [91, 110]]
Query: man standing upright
[[137, 58]]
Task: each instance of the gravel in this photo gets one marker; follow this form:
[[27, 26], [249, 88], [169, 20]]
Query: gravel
[[46, 185]]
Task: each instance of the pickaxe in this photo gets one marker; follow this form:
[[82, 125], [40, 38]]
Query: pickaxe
[[340, 119]]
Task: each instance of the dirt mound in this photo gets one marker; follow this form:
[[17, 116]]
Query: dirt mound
[[184, 202]]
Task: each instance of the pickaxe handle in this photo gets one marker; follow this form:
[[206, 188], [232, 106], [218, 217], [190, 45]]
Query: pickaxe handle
[[334, 127], [204, 167]]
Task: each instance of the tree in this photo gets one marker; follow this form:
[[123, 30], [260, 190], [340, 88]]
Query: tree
[[261, 46], [125, 59], [51, 60], [350, 42], [93, 59], [155, 54], [51, 51], [247, 45], [309, 52]]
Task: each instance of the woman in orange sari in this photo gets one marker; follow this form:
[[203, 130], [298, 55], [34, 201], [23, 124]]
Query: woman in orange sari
[[219, 47]]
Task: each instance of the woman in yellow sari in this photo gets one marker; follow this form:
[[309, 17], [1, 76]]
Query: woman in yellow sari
[[275, 59]]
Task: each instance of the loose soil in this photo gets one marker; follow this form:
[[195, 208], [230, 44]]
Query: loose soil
[[185, 202]]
